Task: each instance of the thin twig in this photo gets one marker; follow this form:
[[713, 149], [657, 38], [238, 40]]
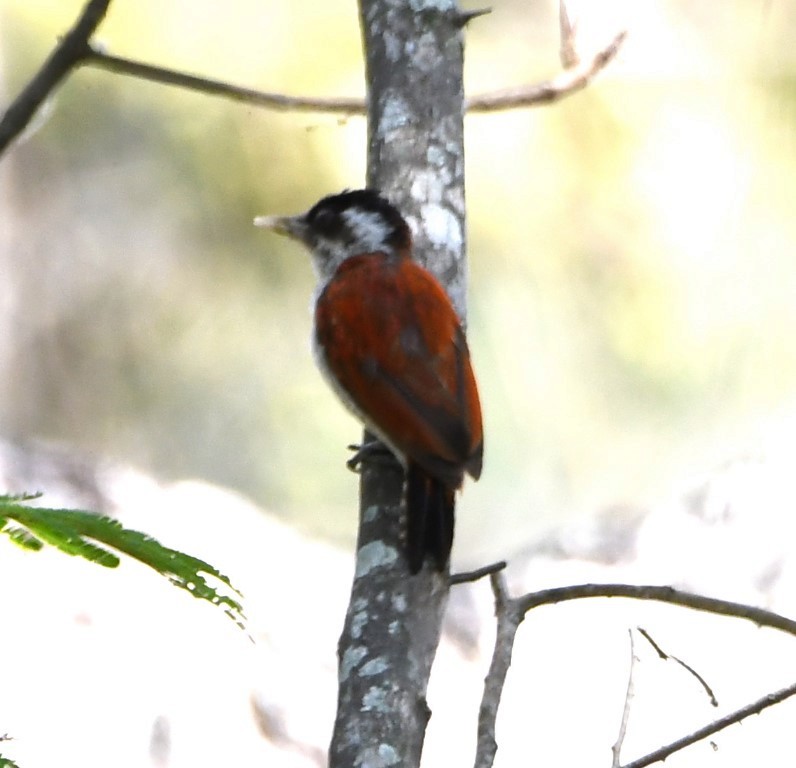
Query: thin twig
[[662, 594], [69, 52], [568, 31], [465, 17], [478, 573], [616, 749], [648, 637], [164, 76], [568, 82], [755, 708], [687, 667]]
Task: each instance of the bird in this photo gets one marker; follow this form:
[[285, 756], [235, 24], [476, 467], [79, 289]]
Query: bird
[[389, 342]]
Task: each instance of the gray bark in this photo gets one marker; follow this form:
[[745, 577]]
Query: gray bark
[[413, 52]]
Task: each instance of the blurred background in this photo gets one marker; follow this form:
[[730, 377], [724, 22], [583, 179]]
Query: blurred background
[[632, 265]]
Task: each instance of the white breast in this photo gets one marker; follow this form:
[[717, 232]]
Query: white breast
[[320, 358]]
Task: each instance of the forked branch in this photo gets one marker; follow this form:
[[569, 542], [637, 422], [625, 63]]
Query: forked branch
[[510, 613], [70, 51], [76, 49]]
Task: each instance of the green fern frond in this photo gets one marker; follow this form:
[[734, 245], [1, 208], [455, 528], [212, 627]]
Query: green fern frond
[[87, 535], [22, 537]]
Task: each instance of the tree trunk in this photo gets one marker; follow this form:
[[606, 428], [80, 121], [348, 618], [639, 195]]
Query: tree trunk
[[413, 52]]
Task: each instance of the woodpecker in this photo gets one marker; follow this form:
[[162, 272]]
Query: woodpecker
[[391, 345]]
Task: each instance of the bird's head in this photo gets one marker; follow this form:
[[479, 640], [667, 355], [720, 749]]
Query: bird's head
[[339, 226]]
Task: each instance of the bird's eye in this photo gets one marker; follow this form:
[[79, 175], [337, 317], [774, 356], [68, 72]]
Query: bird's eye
[[325, 222]]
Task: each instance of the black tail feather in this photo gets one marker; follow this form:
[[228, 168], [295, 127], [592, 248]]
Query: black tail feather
[[429, 519]]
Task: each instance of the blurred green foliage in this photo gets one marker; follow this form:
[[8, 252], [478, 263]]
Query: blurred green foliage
[[631, 253]]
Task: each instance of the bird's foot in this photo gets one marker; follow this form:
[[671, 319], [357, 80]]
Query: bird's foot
[[373, 451]]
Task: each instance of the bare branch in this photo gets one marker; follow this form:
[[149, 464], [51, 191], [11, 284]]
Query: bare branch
[[663, 594], [568, 82], [576, 77], [509, 619], [69, 52], [511, 612], [687, 667], [616, 749], [717, 725], [164, 76], [478, 573], [75, 49]]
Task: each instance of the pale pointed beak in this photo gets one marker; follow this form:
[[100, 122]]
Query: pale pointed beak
[[292, 226]]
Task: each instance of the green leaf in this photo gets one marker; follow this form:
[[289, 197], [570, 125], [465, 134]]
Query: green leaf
[[21, 536], [88, 535]]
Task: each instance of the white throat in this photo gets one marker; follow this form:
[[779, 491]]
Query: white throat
[[365, 232]]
